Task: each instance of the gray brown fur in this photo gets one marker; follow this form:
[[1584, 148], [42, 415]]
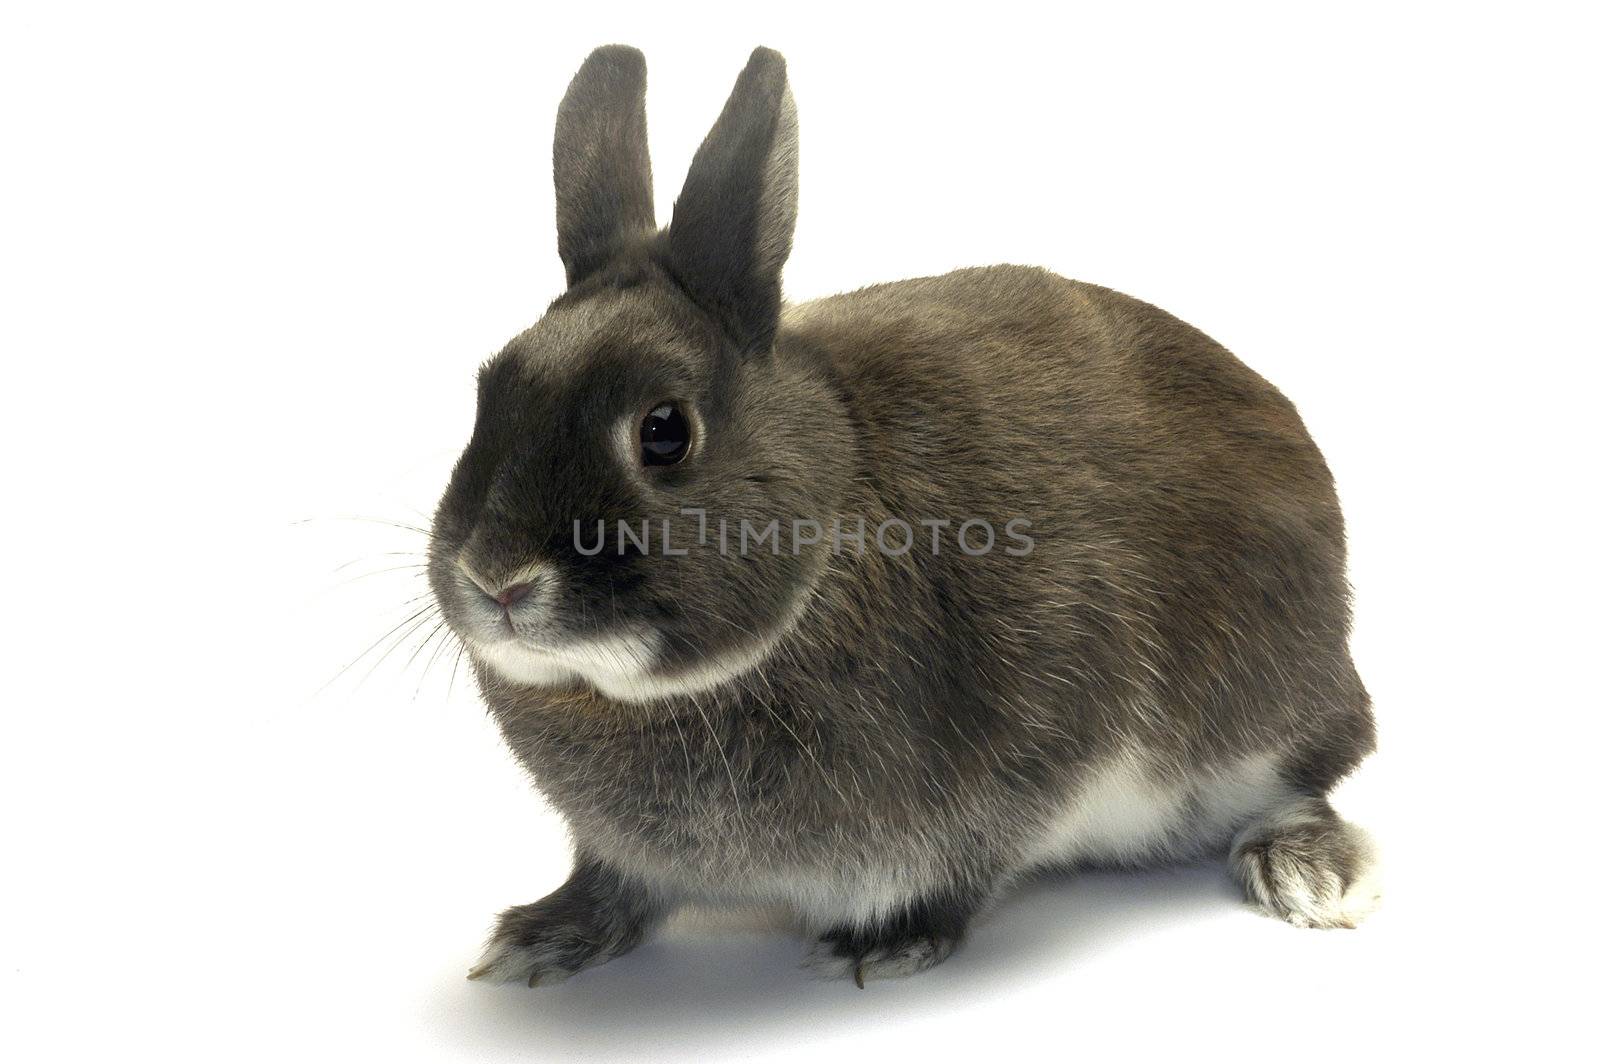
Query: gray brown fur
[[925, 718]]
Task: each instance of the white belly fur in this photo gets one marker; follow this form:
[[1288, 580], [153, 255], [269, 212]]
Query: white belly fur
[[1126, 814]]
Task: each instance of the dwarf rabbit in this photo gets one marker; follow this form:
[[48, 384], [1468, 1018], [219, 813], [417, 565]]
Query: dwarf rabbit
[[867, 607]]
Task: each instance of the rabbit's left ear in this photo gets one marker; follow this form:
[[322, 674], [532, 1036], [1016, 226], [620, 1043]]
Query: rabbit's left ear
[[733, 224], [602, 161]]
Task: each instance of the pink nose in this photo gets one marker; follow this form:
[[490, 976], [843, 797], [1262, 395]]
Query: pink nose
[[513, 594]]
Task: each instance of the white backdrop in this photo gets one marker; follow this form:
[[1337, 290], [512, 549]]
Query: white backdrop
[[250, 258]]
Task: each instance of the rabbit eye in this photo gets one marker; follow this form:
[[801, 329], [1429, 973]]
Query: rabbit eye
[[664, 436]]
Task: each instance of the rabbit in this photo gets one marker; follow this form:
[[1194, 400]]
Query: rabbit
[[869, 607]]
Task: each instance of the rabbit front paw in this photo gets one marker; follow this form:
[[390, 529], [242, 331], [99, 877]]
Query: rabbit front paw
[[595, 916]]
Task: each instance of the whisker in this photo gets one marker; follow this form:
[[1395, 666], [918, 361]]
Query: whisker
[[439, 651], [384, 554], [381, 572], [426, 533], [426, 614], [439, 624], [441, 627], [422, 613], [461, 650]]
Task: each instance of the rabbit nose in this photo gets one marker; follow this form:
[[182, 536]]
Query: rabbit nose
[[510, 596], [507, 589]]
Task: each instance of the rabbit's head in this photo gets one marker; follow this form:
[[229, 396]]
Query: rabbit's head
[[562, 552]]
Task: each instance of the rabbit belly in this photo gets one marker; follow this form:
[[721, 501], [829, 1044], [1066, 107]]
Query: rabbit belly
[[1128, 813], [1125, 813], [818, 900]]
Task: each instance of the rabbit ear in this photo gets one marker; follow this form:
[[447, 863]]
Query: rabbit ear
[[733, 223], [602, 161]]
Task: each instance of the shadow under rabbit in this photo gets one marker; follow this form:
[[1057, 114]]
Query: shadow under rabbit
[[711, 982]]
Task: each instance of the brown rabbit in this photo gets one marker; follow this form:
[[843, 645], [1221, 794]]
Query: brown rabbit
[[871, 605]]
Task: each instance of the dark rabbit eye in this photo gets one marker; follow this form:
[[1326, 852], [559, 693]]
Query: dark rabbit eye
[[664, 436]]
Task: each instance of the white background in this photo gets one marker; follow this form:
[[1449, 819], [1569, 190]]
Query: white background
[[251, 258]]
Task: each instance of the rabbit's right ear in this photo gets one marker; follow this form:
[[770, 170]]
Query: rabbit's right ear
[[734, 221], [602, 161]]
